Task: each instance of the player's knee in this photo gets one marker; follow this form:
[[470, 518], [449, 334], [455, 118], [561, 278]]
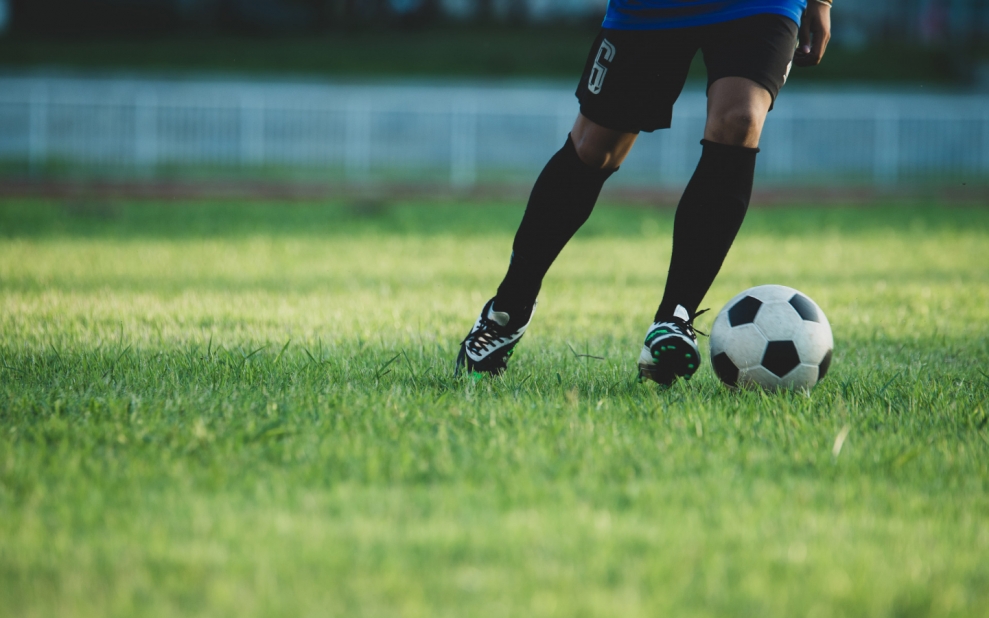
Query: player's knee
[[592, 155], [735, 127]]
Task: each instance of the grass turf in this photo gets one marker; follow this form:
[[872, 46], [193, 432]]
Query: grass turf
[[225, 410]]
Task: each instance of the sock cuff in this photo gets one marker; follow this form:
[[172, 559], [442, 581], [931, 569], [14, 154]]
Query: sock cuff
[[727, 148], [569, 150]]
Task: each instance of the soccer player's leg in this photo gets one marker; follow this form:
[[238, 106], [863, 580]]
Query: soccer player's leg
[[561, 201], [736, 112], [707, 219], [747, 61]]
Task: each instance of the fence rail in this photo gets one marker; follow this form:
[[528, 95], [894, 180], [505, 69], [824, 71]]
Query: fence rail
[[464, 134]]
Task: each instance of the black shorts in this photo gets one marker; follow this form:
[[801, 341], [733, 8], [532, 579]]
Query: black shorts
[[633, 77]]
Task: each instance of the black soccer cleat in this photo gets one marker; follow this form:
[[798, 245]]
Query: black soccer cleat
[[489, 345], [670, 349]]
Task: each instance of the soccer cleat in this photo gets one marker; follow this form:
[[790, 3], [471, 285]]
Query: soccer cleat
[[670, 349], [489, 345]]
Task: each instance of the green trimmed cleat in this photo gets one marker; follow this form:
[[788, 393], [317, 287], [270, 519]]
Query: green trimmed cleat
[[670, 349]]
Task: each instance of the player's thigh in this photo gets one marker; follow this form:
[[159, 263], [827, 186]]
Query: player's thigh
[[632, 78], [757, 49]]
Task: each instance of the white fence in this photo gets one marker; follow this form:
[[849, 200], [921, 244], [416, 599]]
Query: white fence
[[463, 134]]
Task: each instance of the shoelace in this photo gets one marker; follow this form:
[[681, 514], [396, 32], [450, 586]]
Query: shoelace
[[486, 335], [688, 325]]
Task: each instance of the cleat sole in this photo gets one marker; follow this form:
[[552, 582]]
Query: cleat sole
[[669, 366]]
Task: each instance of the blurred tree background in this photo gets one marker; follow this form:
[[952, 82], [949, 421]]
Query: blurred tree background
[[927, 41]]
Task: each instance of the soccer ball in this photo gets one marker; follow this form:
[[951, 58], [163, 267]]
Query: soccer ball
[[771, 336]]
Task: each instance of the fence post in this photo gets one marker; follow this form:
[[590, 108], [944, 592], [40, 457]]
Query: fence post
[[463, 143], [886, 165], [564, 122], [677, 153], [146, 129], [985, 143], [782, 149], [667, 157], [357, 147], [251, 129], [37, 127]]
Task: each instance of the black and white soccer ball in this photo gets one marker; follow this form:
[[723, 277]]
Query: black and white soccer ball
[[771, 336]]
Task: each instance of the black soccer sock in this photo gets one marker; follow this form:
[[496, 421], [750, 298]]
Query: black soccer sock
[[707, 219], [561, 201]]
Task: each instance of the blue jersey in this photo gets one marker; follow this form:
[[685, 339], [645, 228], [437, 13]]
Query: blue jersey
[[659, 14]]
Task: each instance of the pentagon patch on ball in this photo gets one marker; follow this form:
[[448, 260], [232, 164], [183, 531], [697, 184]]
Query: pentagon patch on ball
[[771, 336]]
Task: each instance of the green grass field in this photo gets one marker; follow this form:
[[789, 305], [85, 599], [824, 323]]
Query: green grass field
[[247, 410]]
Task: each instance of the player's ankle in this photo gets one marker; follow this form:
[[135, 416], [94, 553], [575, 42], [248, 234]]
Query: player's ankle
[[666, 312], [517, 309]]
